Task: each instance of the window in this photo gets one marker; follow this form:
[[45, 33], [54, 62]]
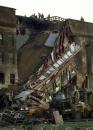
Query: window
[[11, 58], [13, 40], [1, 57], [12, 78], [1, 39], [13, 61], [2, 78], [0, 36]]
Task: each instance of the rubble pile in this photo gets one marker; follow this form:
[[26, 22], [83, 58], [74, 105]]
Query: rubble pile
[[37, 103]]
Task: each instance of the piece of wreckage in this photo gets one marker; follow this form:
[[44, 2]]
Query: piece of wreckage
[[25, 109]]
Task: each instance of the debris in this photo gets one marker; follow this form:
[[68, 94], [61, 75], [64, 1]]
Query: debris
[[58, 118]]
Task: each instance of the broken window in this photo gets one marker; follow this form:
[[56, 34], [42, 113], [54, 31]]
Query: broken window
[[12, 78], [2, 78]]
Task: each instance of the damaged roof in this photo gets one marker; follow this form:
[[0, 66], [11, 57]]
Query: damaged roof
[[30, 55]]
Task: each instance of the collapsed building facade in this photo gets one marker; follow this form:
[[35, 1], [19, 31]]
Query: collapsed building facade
[[49, 45], [8, 54]]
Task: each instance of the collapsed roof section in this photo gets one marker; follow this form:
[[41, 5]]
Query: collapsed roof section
[[33, 53]]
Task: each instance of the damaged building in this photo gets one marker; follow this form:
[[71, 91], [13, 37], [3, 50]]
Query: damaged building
[[54, 60], [8, 53], [56, 42]]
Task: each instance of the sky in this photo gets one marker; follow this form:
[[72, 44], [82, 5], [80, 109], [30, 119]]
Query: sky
[[64, 8]]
